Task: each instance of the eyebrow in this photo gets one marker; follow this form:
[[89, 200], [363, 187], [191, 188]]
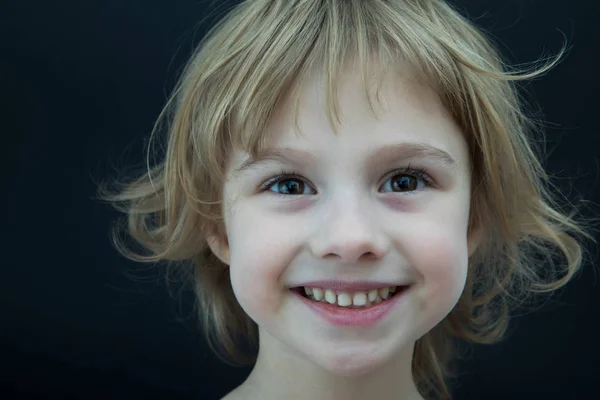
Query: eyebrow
[[389, 153]]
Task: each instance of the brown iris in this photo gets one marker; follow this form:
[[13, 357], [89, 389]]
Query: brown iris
[[290, 186], [402, 183]]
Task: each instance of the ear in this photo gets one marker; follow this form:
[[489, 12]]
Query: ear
[[220, 247], [475, 236]]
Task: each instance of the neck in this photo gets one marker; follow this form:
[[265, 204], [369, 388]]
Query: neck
[[281, 373]]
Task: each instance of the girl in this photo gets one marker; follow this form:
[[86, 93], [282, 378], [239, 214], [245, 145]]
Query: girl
[[354, 187]]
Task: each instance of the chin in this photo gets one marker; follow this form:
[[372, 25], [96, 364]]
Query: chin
[[357, 369], [352, 363]]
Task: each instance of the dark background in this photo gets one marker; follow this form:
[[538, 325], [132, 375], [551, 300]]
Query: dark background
[[82, 83]]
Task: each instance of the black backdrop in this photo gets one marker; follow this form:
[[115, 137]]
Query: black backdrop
[[82, 83]]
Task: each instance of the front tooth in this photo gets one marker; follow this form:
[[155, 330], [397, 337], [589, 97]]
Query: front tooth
[[344, 299], [373, 295], [384, 292], [330, 296], [317, 294], [359, 299]]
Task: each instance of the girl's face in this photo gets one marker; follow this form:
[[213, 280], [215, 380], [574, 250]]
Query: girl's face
[[357, 209]]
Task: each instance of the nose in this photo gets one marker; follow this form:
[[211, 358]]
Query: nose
[[349, 233]]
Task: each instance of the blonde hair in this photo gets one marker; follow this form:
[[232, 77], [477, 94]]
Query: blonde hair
[[263, 50]]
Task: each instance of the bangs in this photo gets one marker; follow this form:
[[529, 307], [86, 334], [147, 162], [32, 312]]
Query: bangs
[[318, 41]]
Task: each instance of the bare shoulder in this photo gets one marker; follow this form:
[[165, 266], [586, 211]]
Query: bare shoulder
[[229, 396], [235, 394]]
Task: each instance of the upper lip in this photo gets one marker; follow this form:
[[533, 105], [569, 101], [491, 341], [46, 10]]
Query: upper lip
[[355, 285]]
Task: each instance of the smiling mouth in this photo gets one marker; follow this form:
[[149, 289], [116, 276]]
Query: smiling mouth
[[350, 299]]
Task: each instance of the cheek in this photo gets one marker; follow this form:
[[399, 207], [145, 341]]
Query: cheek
[[441, 257], [257, 260]]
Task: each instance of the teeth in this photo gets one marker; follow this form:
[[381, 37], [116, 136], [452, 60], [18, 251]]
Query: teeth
[[318, 294], [359, 299], [346, 299], [384, 292], [373, 295], [330, 296]]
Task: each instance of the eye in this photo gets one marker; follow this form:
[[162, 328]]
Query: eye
[[406, 180], [400, 181], [288, 184]]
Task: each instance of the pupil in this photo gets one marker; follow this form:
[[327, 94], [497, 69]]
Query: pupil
[[404, 183], [291, 187]]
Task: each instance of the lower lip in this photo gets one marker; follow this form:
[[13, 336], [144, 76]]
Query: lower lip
[[341, 316]]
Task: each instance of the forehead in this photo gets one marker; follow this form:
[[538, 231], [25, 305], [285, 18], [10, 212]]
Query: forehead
[[405, 111]]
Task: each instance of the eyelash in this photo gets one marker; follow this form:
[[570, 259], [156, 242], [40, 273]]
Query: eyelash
[[419, 173]]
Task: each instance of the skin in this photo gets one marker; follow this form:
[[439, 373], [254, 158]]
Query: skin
[[348, 221]]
